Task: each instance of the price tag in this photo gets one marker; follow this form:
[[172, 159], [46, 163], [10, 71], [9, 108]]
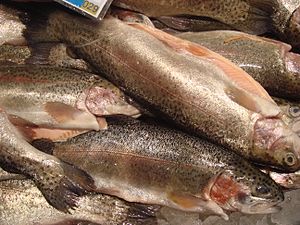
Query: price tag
[[92, 8]]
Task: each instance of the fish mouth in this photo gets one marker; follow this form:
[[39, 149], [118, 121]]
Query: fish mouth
[[122, 109], [287, 180], [104, 102], [260, 206]]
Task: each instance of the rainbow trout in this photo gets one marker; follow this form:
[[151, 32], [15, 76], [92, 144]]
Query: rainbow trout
[[22, 203], [41, 100], [60, 183], [146, 163], [251, 16], [262, 58], [186, 83]]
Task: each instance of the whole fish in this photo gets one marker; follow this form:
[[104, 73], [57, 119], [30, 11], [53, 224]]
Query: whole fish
[[146, 163], [40, 98], [186, 83], [60, 183], [269, 62], [251, 16], [23, 203]]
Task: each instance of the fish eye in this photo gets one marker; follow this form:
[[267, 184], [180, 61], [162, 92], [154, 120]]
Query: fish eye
[[262, 189], [290, 159], [294, 111]]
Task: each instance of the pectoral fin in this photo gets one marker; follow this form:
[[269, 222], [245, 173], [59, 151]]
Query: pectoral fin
[[252, 102], [196, 204], [18, 121], [55, 135], [69, 117]]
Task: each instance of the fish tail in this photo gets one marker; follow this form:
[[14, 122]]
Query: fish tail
[[292, 31], [62, 190], [36, 22], [260, 17]]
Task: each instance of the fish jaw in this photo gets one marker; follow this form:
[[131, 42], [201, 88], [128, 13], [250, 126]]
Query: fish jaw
[[287, 180], [292, 117], [275, 141], [100, 101], [132, 17], [232, 194]]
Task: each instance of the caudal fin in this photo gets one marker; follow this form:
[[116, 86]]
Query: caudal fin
[[62, 189]]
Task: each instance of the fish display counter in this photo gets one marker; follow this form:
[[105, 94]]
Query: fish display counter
[[160, 112]]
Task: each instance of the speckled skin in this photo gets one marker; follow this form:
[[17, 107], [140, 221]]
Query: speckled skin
[[264, 59], [181, 23], [49, 54], [58, 56], [24, 89], [188, 90], [59, 182], [142, 162], [22, 203], [240, 14], [15, 54], [11, 27], [287, 21], [251, 16]]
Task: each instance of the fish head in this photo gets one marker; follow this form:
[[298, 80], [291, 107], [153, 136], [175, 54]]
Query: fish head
[[286, 150], [292, 114], [276, 143], [104, 99], [246, 190]]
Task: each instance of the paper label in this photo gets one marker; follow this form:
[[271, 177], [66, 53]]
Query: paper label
[[92, 8]]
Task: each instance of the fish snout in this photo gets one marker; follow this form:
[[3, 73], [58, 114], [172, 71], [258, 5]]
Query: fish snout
[[104, 102]]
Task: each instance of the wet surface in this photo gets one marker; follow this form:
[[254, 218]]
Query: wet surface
[[289, 215]]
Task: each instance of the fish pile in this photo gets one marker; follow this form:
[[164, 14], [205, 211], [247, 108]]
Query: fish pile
[[161, 106]]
